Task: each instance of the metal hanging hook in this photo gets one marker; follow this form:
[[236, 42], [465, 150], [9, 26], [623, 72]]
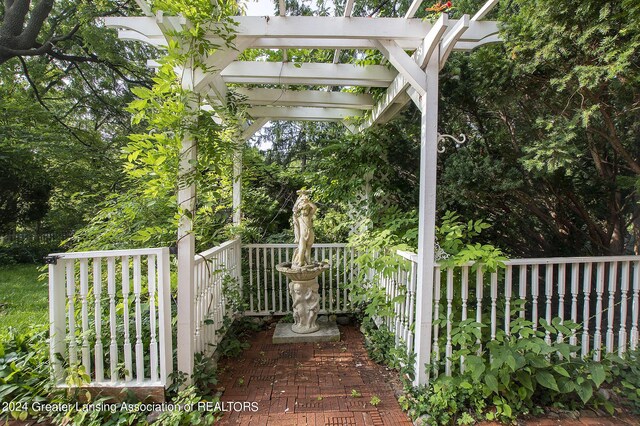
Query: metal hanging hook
[[443, 137]]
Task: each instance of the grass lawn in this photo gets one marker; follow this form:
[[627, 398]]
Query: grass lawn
[[24, 301]]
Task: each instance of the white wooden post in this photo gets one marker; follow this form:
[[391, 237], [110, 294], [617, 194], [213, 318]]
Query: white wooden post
[[427, 220], [186, 253], [57, 320], [164, 316]]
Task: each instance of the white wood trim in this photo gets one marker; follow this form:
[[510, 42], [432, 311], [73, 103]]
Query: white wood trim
[[451, 39], [427, 222], [145, 7], [254, 127], [405, 65], [484, 10], [303, 113], [308, 73], [413, 8], [313, 98], [399, 84]]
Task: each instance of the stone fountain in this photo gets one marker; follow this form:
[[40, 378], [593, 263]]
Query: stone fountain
[[303, 274]]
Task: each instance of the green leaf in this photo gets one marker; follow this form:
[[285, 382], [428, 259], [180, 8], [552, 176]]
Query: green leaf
[[491, 382], [597, 374], [561, 370], [585, 391], [546, 379]]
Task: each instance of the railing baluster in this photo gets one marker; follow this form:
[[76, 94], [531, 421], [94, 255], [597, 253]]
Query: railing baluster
[[280, 281], [586, 288], [84, 307], [494, 300], [137, 291], [522, 285], [330, 280], [548, 291], [71, 294], [573, 340], [412, 290], [266, 285], [97, 293], [113, 347], [128, 363], [624, 290], [597, 337], [613, 282], [344, 280], [635, 305], [449, 348], [337, 279], [535, 291], [153, 345], [273, 281], [322, 284], [561, 291], [286, 252], [258, 273], [251, 287], [508, 279], [436, 313], [197, 305], [479, 295]]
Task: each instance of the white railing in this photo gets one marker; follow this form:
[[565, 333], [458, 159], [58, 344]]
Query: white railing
[[267, 289], [400, 289], [115, 306], [212, 269], [602, 294]]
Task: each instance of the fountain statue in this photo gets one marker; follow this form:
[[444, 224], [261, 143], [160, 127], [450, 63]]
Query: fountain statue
[[302, 270]]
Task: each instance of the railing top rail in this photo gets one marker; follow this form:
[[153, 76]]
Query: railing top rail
[[109, 253], [413, 257], [559, 260], [542, 261], [214, 250], [292, 245]]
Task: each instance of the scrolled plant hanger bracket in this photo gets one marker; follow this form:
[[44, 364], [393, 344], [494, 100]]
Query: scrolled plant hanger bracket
[[462, 138]]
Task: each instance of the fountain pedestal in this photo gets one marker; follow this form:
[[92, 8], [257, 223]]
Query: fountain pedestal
[[303, 289]]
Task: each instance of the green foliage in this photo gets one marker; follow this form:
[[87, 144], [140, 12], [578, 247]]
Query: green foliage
[[24, 300], [627, 383], [515, 374], [24, 370]]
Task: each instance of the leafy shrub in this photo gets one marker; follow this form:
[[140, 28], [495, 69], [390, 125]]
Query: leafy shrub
[[24, 369], [516, 374], [628, 380]]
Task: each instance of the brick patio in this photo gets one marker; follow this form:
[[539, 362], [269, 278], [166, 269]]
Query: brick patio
[[310, 384]]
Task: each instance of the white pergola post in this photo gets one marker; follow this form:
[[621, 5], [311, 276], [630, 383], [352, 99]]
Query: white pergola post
[[186, 252], [427, 221]]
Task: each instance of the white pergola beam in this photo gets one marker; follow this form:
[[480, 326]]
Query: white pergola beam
[[405, 65], [303, 113], [348, 9], [308, 31], [399, 85], [252, 128], [308, 73], [413, 8], [484, 10], [219, 61], [452, 38], [312, 98], [145, 7], [310, 27]]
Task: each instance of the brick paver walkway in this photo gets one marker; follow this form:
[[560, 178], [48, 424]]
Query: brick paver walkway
[[309, 384]]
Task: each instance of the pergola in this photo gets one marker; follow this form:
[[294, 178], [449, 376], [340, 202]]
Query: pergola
[[413, 77]]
